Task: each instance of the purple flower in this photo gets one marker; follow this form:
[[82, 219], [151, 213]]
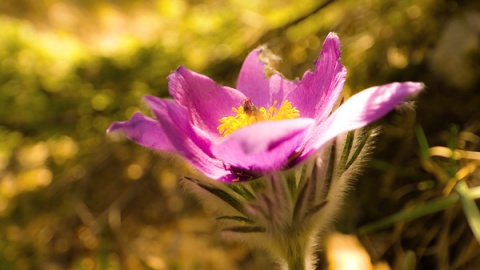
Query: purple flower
[[266, 124]]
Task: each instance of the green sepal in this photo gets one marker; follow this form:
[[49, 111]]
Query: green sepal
[[301, 201], [312, 211], [291, 182], [307, 193], [257, 185], [223, 195], [346, 151], [329, 174], [245, 229], [359, 149], [241, 190], [236, 218]]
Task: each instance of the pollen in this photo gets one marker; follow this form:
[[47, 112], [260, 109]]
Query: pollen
[[248, 114]]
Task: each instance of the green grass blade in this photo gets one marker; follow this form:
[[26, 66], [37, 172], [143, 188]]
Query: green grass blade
[[423, 143], [469, 208], [409, 261], [474, 192], [427, 208]]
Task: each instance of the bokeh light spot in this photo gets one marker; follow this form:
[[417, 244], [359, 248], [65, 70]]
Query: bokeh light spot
[[87, 237], [33, 156], [175, 203], [62, 149], [134, 171], [100, 102], [167, 180], [33, 179]]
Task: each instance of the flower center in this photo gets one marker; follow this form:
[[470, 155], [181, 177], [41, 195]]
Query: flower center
[[248, 114]]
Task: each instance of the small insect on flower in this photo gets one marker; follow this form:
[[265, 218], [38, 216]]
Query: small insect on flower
[[250, 108]]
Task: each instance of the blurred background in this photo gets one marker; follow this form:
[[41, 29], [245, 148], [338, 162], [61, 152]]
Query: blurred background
[[73, 198]]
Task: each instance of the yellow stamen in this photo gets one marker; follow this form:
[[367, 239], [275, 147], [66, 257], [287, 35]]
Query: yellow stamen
[[248, 114]]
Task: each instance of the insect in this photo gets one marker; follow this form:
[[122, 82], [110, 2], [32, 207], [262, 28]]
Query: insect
[[250, 109]]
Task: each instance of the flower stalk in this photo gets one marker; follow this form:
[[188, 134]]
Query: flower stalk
[[285, 213], [296, 261]]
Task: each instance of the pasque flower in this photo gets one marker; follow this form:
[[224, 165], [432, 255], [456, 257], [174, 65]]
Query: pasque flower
[[266, 124], [262, 131]]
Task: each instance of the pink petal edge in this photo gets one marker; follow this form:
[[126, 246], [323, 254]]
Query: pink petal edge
[[321, 88], [168, 135], [264, 146], [358, 111], [205, 101], [261, 90]]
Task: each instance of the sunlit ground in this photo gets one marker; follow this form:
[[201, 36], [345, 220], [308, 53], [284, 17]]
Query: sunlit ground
[[73, 198]]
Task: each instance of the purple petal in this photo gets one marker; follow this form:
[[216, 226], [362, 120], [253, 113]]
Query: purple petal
[[255, 85], [172, 133], [263, 146], [280, 88], [206, 101], [163, 108], [144, 131], [358, 111], [320, 89]]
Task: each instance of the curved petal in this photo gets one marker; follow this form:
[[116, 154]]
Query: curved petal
[[171, 133], [162, 107], [205, 101], [280, 88], [263, 146], [358, 111], [320, 89], [144, 131], [253, 82]]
